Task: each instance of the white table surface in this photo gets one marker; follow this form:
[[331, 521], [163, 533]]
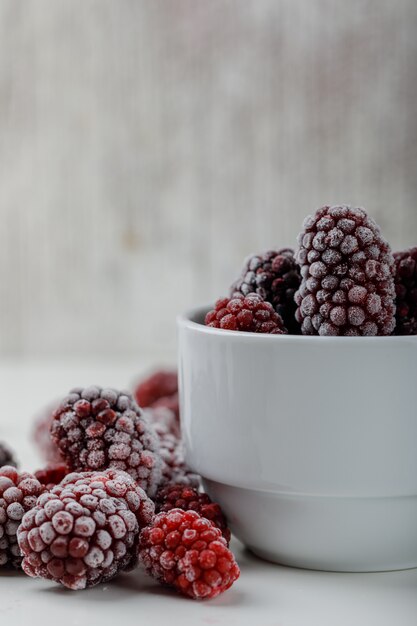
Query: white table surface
[[265, 594]]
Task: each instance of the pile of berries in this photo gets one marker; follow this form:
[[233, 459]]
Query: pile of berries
[[115, 493], [342, 280]]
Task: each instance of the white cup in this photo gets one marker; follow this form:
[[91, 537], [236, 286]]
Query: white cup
[[309, 444]]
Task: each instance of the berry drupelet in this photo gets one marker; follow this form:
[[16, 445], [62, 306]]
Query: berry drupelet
[[406, 291], [178, 496], [275, 277], [6, 455], [86, 530], [347, 271], [97, 428], [251, 314], [18, 494], [186, 551]]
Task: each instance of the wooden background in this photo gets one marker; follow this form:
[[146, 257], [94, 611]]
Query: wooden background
[[147, 146]]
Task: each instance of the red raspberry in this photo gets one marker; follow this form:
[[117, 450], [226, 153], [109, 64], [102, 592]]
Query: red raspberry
[[52, 475], [347, 285], [41, 435], [6, 456], [250, 314], [86, 530], [97, 428], [175, 469], [186, 551], [406, 291], [188, 499], [275, 276], [18, 494], [160, 389]]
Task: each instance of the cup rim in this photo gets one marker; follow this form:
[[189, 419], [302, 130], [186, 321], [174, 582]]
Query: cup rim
[[187, 320]]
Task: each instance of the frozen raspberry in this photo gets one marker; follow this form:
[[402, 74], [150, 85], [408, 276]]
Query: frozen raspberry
[[175, 469], [41, 435], [189, 499], [159, 390], [86, 530], [250, 314], [97, 428], [52, 475], [6, 456], [406, 291], [18, 494], [186, 551], [275, 277], [347, 285]]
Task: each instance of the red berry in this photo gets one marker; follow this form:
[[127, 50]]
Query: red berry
[[52, 475], [179, 496], [249, 314], [347, 285], [86, 530], [186, 551], [97, 428], [160, 389], [18, 494], [406, 291]]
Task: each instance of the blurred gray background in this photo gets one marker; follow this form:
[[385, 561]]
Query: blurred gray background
[[146, 147]]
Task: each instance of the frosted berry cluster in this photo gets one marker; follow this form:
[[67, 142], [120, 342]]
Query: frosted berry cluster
[[85, 530], [18, 494], [97, 428], [186, 551], [275, 276], [250, 314], [347, 271], [406, 291]]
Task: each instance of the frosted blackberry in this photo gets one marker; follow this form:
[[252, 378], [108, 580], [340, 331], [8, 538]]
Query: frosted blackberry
[[177, 496], [158, 390], [275, 277], [6, 455], [406, 291], [18, 494], [347, 270], [250, 314], [86, 530], [97, 428], [186, 551], [175, 469]]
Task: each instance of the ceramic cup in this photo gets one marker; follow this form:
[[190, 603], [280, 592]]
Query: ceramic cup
[[309, 444]]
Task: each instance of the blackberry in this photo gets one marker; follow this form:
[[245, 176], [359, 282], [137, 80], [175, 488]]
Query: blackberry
[[275, 276], [97, 428], [86, 530], [186, 498], [406, 291], [250, 314], [186, 551], [6, 456], [347, 271], [160, 389], [52, 475], [18, 494]]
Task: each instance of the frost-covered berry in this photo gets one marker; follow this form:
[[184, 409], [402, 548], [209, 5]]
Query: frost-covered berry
[[186, 551], [275, 276], [97, 428], [174, 469], [6, 455], [347, 271], [41, 435], [86, 530], [18, 494], [160, 389], [183, 497], [250, 314], [52, 475], [406, 291]]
